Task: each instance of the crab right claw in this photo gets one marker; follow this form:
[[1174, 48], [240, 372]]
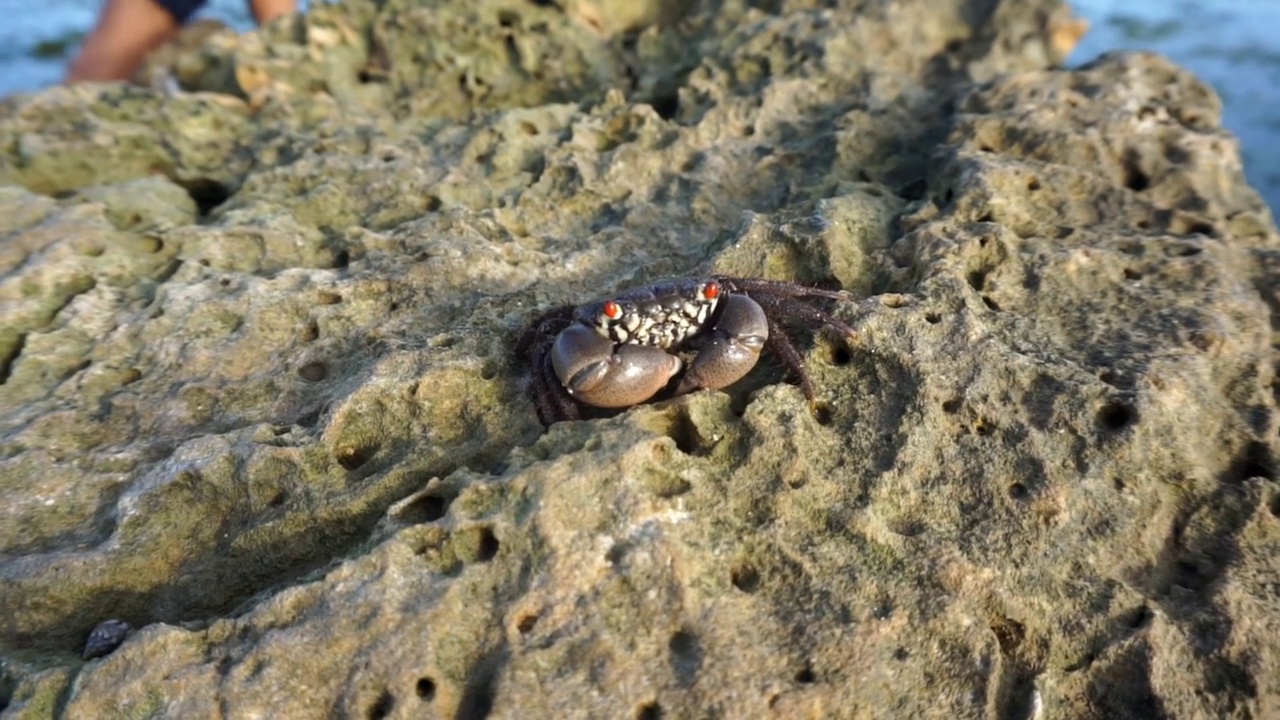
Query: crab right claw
[[600, 373], [733, 348]]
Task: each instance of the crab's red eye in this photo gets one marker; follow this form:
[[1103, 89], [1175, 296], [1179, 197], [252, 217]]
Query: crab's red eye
[[711, 291], [612, 310]]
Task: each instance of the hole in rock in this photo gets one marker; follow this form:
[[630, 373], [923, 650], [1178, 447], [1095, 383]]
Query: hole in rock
[[1033, 184], [822, 413], [1188, 226], [1009, 634], [649, 711], [1274, 505], [207, 194], [686, 657], [381, 707], [425, 509], [328, 297], [313, 371], [951, 406], [617, 553], [1201, 228], [311, 332], [666, 105], [991, 304], [1134, 178], [341, 259], [914, 190], [1136, 618], [1116, 415], [486, 544], [932, 318], [905, 526], [841, 355], [806, 675], [526, 623], [684, 432], [983, 427], [1018, 491], [351, 458], [478, 693], [277, 499], [425, 688], [9, 355], [745, 577], [1255, 461], [1131, 274]]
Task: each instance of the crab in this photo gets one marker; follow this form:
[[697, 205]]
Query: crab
[[626, 349]]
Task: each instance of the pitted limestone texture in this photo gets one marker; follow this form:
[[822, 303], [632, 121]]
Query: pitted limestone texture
[[258, 397]]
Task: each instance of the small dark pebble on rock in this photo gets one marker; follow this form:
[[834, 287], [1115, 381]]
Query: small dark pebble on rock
[[105, 638]]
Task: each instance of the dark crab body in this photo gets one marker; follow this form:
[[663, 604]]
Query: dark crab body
[[622, 351]]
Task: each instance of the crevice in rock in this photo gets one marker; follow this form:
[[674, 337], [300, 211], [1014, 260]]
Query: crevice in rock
[[382, 706], [9, 353], [481, 686], [207, 194], [686, 657]]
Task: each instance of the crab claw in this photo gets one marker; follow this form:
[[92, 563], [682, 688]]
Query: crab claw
[[733, 348], [598, 372]]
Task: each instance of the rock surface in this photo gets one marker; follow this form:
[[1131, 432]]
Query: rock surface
[[259, 400]]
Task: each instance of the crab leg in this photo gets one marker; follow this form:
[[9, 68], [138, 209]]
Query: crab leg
[[779, 288], [780, 346], [789, 308], [551, 401]]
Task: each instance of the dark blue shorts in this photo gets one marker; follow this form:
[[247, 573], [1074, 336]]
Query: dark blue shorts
[[181, 10]]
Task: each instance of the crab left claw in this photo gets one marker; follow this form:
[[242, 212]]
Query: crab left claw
[[732, 349], [600, 373]]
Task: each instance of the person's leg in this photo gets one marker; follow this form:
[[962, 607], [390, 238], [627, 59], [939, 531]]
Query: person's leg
[[264, 11], [126, 31]]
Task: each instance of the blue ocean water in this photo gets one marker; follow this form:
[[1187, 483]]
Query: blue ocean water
[[1232, 44]]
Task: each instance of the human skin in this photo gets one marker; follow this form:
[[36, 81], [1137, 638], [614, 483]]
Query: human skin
[[128, 30]]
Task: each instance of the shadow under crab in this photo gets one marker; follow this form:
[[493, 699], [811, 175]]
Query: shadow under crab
[[666, 339]]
